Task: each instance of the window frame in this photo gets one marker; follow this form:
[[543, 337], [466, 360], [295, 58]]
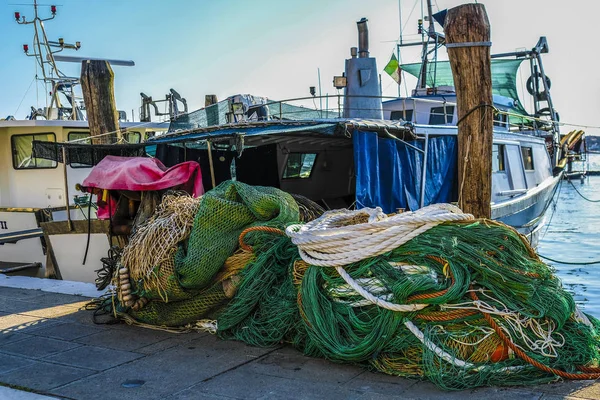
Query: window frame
[[12, 150], [444, 112], [138, 133], [312, 169], [523, 157], [502, 162], [89, 135], [409, 114]]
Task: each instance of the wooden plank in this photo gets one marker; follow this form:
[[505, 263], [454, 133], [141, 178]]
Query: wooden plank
[[79, 226], [471, 68]]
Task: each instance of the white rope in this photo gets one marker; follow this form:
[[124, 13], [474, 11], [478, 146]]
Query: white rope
[[449, 358], [378, 301], [333, 241], [330, 242], [543, 343]]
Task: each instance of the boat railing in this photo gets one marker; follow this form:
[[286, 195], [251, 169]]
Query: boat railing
[[307, 108]]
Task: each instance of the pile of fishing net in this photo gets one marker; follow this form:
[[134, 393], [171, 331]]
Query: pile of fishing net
[[432, 293]]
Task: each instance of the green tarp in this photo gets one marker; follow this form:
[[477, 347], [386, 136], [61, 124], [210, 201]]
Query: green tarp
[[504, 76]]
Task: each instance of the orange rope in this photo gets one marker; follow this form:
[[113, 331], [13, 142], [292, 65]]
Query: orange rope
[[521, 354], [446, 315], [434, 294], [246, 247]]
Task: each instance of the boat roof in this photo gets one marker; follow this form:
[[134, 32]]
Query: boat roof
[[82, 124], [332, 128]]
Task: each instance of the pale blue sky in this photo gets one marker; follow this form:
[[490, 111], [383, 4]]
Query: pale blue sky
[[273, 48]]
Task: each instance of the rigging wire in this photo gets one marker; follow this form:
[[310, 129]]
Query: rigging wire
[[22, 99], [581, 194]]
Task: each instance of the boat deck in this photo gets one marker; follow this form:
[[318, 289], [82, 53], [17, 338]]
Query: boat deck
[[49, 345]]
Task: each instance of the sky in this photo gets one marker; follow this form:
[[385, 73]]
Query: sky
[[274, 48]]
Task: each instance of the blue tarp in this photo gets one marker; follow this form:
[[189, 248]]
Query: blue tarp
[[388, 172]]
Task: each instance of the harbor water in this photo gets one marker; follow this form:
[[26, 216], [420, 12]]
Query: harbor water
[[572, 234]]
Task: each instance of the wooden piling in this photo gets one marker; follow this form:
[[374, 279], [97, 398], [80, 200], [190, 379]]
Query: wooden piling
[[97, 85], [467, 30]]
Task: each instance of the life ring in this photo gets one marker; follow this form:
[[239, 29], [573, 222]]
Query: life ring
[[531, 88]]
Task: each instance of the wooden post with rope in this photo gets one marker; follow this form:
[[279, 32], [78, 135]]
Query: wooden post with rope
[[467, 30], [97, 85]]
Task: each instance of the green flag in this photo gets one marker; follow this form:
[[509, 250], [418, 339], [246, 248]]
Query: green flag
[[393, 69]]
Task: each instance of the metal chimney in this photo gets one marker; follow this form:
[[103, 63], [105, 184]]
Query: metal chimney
[[363, 38], [363, 92]]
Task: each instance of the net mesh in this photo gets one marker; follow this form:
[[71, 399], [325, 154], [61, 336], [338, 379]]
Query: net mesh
[[468, 273]]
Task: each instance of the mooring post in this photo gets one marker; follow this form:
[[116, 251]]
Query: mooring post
[[98, 87], [467, 32]]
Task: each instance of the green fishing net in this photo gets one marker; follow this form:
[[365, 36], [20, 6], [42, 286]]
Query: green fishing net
[[464, 272]]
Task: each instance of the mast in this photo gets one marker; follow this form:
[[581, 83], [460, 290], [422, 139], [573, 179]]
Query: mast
[[428, 37], [43, 52]]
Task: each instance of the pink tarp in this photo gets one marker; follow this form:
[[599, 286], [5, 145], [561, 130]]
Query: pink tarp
[[142, 174]]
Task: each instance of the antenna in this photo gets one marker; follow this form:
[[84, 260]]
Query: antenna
[[44, 51]]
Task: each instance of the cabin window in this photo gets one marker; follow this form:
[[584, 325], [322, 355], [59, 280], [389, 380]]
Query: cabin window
[[498, 158], [399, 115], [22, 151], [441, 115], [81, 138], [132, 137], [299, 165], [527, 153]]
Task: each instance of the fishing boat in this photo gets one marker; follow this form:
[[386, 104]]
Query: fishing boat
[[369, 151], [34, 191], [408, 159]]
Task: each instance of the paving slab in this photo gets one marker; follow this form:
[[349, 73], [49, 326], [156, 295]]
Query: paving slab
[[9, 363], [258, 386], [290, 363], [7, 336], [92, 357], [166, 372], [129, 338], [43, 376], [19, 294], [19, 322], [37, 347], [588, 392], [7, 393], [11, 306], [64, 331], [174, 340]]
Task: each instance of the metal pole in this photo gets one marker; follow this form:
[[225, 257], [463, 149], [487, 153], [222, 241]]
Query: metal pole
[[210, 163], [64, 155], [320, 94], [424, 173]]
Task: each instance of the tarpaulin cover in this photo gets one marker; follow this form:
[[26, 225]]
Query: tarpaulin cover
[[388, 172], [144, 174]]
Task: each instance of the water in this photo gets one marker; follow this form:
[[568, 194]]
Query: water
[[573, 235]]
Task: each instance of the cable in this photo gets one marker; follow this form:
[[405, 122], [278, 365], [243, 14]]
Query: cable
[[569, 263], [582, 196]]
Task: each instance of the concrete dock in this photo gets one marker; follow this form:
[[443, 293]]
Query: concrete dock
[[49, 346]]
